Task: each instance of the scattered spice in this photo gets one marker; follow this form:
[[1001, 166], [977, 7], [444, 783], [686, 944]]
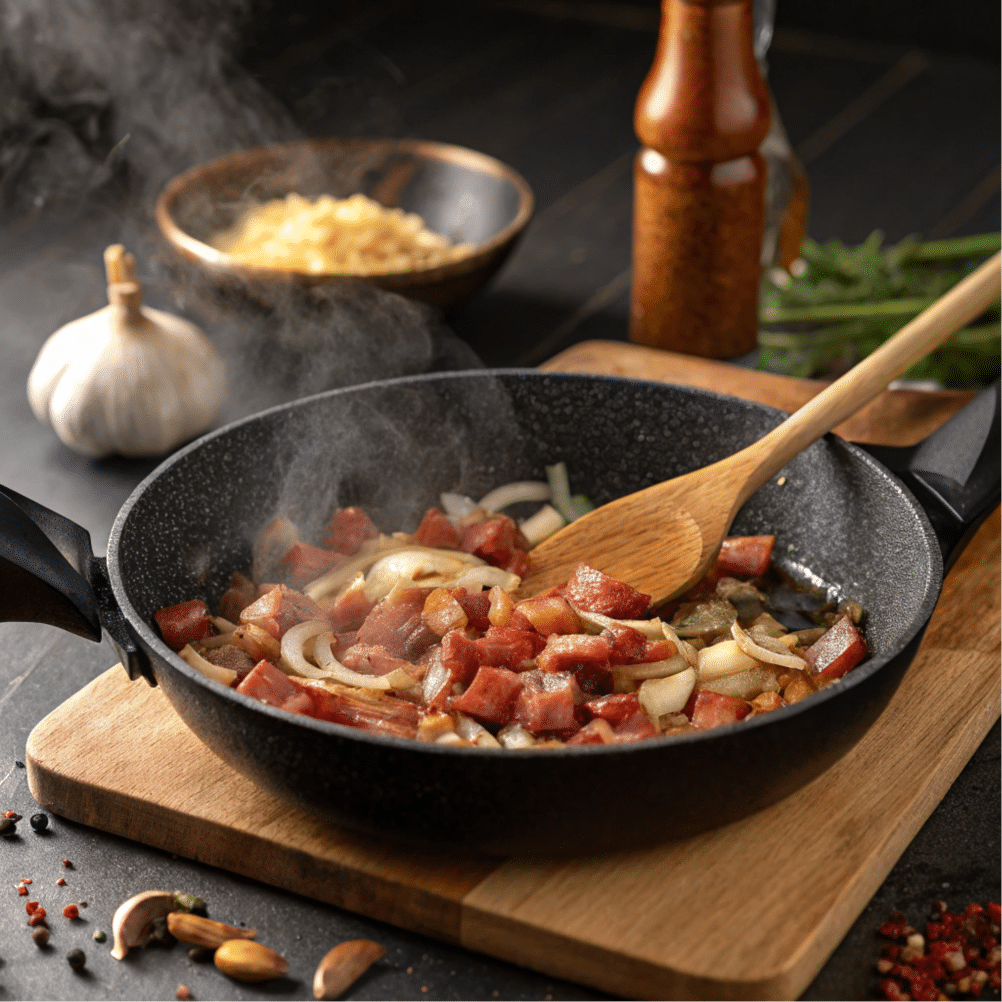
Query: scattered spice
[[25, 880], [13, 815], [40, 936], [22, 890], [959, 954], [77, 959], [38, 918], [39, 822], [71, 912], [100, 936], [7, 827], [183, 992], [68, 864], [61, 882]]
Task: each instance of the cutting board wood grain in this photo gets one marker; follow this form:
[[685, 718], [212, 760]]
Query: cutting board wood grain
[[743, 912]]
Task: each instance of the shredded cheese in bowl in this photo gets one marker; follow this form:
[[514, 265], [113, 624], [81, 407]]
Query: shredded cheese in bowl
[[346, 236]]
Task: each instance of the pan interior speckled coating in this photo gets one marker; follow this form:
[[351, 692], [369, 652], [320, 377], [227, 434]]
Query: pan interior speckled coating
[[393, 447]]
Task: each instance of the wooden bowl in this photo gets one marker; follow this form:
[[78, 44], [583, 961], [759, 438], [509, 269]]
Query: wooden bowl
[[468, 196]]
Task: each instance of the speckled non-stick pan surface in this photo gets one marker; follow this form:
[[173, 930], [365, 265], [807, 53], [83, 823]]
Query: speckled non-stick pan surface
[[840, 519]]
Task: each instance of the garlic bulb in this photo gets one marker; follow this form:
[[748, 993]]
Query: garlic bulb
[[127, 379]]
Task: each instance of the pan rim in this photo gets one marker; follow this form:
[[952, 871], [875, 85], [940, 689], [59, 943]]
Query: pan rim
[[858, 676]]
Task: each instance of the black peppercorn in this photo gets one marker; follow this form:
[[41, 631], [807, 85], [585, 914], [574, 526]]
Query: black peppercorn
[[41, 936], [7, 827], [77, 959], [39, 822]]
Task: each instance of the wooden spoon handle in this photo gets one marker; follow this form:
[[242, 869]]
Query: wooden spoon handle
[[971, 296]]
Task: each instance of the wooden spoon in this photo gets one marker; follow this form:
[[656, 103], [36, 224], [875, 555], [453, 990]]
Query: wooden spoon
[[663, 539]]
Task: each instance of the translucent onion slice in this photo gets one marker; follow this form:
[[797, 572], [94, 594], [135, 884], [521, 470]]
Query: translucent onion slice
[[487, 577], [508, 494], [332, 668], [223, 625], [468, 729], [412, 564], [542, 525], [653, 669], [190, 656], [338, 577], [721, 660], [456, 505], [660, 696], [292, 647], [514, 735], [684, 647], [652, 629], [755, 649]]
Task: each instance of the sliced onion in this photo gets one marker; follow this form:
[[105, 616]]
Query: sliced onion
[[756, 650], [397, 679], [684, 647], [653, 669], [456, 505], [746, 684], [542, 525], [514, 735], [660, 696], [223, 625], [723, 659], [487, 577], [338, 577], [468, 729], [410, 565], [652, 629], [190, 656], [292, 647], [520, 490]]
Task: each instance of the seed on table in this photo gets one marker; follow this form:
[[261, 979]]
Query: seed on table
[[8, 827], [39, 822], [77, 959], [100, 935], [71, 912], [41, 936]]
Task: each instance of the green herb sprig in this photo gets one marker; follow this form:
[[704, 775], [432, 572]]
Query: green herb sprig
[[846, 301]]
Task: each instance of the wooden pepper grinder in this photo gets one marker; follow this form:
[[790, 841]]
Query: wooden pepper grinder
[[699, 183]]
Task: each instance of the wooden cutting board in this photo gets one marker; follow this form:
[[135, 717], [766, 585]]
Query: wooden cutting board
[[759, 920]]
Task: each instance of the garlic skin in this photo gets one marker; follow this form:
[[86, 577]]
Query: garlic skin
[[128, 379]]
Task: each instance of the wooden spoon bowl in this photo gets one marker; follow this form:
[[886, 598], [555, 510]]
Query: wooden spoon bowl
[[663, 539]]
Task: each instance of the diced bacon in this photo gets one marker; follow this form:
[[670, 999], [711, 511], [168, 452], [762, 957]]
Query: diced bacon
[[547, 701], [491, 695], [627, 646], [306, 562], [549, 613], [766, 702], [586, 656], [636, 727], [269, 685], [520, 622], [436, 530], [614, 708], [237, 597], [348, 529], [279, 609], [595, 732], [442, 612], [565, 653], [372, 659], [745, 556], [507, 647], [350, 608], [233, 658], [396, 624], [258, 643], [362, 708], [460, 656], [592, 591], [184, 623], [494, 540], [836, 651], [708, 709], [477, 606], [501, 608]]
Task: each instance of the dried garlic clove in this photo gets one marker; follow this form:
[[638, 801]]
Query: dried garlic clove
[[246, 960], [201, 931], [132, 924], [343, 966]]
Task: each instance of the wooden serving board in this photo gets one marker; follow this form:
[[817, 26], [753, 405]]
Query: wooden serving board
[[615, 921]]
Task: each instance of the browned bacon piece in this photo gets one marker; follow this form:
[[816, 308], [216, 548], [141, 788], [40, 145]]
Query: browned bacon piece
[[836, 651], [490, 696], [269, 685], [436, 530], [547, 701], [348, 529], [396, 624], [591, 590], [279, 609], [550, 613], [237, 597], [372, 659], [362, 708], [508, 647]]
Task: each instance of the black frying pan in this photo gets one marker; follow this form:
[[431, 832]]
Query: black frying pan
[[841, 519]]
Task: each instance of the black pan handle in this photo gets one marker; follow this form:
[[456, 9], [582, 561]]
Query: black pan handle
[[955, 472], [49, 574]]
